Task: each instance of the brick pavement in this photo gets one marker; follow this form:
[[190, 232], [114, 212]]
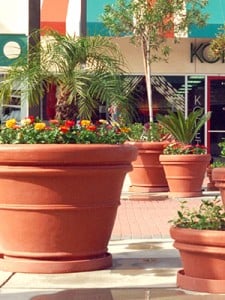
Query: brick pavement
[[147, 215]]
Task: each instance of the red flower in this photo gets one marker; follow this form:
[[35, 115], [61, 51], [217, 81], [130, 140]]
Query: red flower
[[32, 119], [69, 123]]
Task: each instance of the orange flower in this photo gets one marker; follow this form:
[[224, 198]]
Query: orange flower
[[91, 128], [64, 129]]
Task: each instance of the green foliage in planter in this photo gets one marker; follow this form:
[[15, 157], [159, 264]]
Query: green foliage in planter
[[222, 147], [209, 216], [184, 129], [149, 132], [217, 164]]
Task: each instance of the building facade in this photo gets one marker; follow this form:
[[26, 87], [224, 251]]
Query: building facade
[[191, 78]]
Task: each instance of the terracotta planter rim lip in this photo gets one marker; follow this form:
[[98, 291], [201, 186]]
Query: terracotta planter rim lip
[[183, 157], [197, 236], [189, 230], [146, 142], [218, 173], [67, 153], [148, 145]]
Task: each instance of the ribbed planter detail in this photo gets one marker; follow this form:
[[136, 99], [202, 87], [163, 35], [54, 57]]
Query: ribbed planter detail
[[203, 258], [58, 205], [185, 173], [148, 174]]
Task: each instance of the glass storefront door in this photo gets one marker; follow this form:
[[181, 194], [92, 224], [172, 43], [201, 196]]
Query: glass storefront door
[[216, 104]]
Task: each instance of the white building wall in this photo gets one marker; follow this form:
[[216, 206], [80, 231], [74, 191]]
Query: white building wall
[[14, 16]]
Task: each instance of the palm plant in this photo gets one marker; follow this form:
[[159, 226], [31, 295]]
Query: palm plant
[[87, 72], [184, 129]]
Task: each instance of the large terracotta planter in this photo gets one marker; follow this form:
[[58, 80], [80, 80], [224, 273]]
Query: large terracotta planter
[[185, 173], [58, 205], [218, 177], [148, 174], [203, 258]]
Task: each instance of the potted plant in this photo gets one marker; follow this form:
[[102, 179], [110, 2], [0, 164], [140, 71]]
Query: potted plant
[[181, 158], [147, 174], [60, 190], [60, 182], [199, 236], [215, 163], [218, 173]]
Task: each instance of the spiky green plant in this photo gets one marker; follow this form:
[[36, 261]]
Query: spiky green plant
[[184, 129], [88, 72]]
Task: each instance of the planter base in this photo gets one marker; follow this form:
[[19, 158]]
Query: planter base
[[147, 189], [184, 194], [200, 284], [20, 265]]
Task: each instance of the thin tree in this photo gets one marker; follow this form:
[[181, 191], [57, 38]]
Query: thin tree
[[150, 23]]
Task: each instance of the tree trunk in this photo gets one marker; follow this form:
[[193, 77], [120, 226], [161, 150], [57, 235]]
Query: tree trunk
[[65, 110], [147, 70]]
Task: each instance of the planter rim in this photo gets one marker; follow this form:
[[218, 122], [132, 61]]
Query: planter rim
[[25, 154], [198, 237], [218, 173], [147, 144], [184, 157]]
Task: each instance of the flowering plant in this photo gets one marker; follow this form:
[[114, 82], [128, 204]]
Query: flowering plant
[[209, 216], [181, 148], [151, 131], [34, 131]]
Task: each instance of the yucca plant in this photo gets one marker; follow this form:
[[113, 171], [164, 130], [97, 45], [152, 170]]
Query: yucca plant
[[184, 129]]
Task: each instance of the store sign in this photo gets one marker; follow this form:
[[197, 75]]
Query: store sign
[[201, 53]]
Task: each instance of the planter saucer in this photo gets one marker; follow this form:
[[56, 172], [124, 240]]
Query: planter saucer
[[38, 266], [214, 286]]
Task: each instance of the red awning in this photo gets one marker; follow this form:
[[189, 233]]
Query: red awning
[[53, 15]]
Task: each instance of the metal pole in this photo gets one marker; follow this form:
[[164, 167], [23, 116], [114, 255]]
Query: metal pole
[[83, 25]]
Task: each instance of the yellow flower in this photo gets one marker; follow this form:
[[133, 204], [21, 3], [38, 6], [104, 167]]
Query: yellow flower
[[39, 126], [10, 123], [85, 123], [125, 129]]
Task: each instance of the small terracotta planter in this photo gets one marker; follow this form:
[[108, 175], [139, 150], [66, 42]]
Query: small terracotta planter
[[203, 258], [218, 176], [58, 204], [211, 184], [148, 174], [185, 173]]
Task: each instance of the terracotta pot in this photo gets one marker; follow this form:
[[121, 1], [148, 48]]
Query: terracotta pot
[[218, 176], [58, 205], [203, 258], [148, 174], [211, 184], [185, 173]]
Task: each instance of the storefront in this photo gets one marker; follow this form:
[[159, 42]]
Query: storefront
[[191, 78]]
